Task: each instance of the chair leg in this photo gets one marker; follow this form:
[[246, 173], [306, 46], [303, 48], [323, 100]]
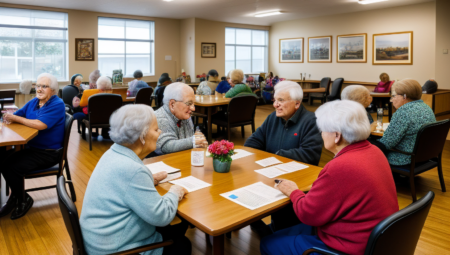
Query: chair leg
[[228, 132], [90, 137], [413, 188], [242, 131], [441, 176], [310, 100], [69, 178], [253, 126]]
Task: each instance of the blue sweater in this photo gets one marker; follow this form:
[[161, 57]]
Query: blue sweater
[[121, 206], [223, 87], [298, 138]]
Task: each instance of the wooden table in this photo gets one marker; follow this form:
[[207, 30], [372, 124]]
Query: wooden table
[[384, 96], [208, 103], [316, 90], [129, 99], [374, 133], [215, 215]]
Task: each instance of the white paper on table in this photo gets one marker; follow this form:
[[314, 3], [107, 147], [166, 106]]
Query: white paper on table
[[254, 196], [171, 177], [191, 183], [240, 154], [385, 126], [291, 166], [268, 162], [271, 172], [161, 166]]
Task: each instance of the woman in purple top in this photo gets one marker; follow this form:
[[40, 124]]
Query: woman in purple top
[[384, 86]]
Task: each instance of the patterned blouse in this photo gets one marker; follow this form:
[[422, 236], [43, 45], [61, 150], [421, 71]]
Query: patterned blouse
[[402, 131], [207, 88]]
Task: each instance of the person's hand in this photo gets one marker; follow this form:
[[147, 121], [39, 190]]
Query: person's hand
[[159, 176], [179, 191], [75, 102], [286, 186], [8, 118]]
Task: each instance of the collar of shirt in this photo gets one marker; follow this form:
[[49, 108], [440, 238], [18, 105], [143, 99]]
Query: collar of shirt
[[294, 118], [46, 103], [127, 152], [175, 119]]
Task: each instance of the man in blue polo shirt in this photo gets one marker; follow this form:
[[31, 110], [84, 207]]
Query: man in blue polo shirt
[[46, 113]]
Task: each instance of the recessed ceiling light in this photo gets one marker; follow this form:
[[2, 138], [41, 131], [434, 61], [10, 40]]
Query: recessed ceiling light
[[167, 0], [267, 14], [370, 1]]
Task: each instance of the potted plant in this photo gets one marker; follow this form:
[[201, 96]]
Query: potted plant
[[221, 152]]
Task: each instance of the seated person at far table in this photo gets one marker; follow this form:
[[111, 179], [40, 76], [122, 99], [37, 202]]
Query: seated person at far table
[[384, 86], [209, 86], [122, 208], [137, 84], [174, 119], [238, 88], [360, 94], [46, 113], [164, 80], [223, 86], [353, 193]]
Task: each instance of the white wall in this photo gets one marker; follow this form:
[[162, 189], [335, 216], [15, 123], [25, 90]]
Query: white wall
[[420, 18], [443, 42], [187, 48]]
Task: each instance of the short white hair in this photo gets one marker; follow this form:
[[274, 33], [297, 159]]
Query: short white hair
[[294, 89], [130, 122], [79, 77], [175, 91], [52, 79], [346, 117], [357, 93], [104, 83]]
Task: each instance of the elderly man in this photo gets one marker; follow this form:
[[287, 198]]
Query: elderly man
[[45, 112], [174, 119], [291, 132]]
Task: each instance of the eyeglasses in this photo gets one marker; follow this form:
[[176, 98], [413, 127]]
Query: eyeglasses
[[188, 104], [280, 100], [393, 96], [38, 86]]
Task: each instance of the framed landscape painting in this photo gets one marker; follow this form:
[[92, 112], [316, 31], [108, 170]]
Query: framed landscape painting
[[291, 50], [84, 49], [352, 48], [393, 48], [319, 49]]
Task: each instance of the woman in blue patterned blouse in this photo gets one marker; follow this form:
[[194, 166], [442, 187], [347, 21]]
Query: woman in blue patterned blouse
[[411, 114]]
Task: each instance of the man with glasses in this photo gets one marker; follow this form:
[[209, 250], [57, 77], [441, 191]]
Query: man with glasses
[[174, 120], [291, 132]]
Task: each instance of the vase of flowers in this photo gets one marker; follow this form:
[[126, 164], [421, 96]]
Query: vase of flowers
[[221, 152]]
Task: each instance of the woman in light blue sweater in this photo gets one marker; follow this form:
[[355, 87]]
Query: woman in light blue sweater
[[121, 208]]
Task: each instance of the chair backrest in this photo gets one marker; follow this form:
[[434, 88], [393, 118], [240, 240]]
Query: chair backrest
[[159, 96], [70, 216], [144, 96], [8, 94], [101, 106], [68, 93], [400, 232], [121, 91], [325, 83], [336, 88], [67, 129], [430, 140], [242, 108]]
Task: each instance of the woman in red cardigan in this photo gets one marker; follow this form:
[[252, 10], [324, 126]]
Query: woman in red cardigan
[[353, 193]]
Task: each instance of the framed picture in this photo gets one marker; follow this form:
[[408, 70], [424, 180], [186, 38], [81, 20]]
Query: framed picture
[[84, 49], [352, 48], [393, 48], [208, 50], [319, 49], [291, 50]]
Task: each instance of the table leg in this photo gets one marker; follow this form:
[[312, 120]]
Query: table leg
[[390, 110], [218, 245], [209, 124]]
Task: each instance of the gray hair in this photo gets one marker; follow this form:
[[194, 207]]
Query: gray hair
[[130, 122], [236, 76], [175, 91], [52, 79], [357, 93], [79, 77], [346, 117], [104, 83], [294, 89]]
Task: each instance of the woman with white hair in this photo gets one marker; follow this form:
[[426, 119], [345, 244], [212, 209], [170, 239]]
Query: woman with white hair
[[360, 94], [174, 119], [353, 193], [131, 213], [237, 86], [46, 113]]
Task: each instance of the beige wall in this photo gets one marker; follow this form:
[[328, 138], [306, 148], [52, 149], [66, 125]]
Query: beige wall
[[443, 42], [187, 47], [420, 18]]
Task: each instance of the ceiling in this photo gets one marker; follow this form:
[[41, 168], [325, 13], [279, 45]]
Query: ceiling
[[235, 11]]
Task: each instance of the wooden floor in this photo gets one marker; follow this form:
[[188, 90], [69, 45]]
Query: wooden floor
[[42, 230]]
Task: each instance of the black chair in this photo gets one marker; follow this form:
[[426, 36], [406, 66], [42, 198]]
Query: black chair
[[398, 234], [324, 83], [159, 96], [144, 96], [427, 153], [240, 112], [100, 108], [57, 169], [70, 216], [7, 97], [336, 89]]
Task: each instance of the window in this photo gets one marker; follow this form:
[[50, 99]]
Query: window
[[32, 42], [125, 44], [246, 49]]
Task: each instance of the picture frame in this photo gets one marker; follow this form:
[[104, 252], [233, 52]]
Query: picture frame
[[351, 48], [291, 50], [393, 48], [84, 49], [208, 50], [320, 49]]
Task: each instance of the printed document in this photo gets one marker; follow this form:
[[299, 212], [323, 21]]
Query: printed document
[[268, 162], [271, 172], [291, 167], [191, 183], [274, 171], [160, 166], [240, 154], [254, 196], [171, 177]]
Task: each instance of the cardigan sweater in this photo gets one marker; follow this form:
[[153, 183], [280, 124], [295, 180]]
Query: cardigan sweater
[[239, 89], [353, 193]]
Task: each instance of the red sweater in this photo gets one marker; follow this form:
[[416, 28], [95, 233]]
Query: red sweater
[[353, 193]]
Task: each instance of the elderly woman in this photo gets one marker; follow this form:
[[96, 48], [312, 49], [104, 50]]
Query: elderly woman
[[46, 113], [137, 84], [223, 86], [384, 86], [238, 88], [93, 77], [353, 193], [411, 114], [360, 94], [131, 213], [209, 86], [174, 119], [76, 81]]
